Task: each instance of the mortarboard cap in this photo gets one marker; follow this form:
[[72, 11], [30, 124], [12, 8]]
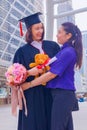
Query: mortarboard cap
[[30, 20]]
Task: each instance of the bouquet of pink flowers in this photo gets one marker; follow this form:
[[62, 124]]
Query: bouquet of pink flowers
[[16, 74]]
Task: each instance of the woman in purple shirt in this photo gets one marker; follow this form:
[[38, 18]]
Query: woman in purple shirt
[[60, 78]]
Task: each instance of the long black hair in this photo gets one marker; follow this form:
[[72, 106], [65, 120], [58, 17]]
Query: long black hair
[[75, 40]]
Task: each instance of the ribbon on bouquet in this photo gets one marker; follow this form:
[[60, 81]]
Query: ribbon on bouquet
[[17, 99]]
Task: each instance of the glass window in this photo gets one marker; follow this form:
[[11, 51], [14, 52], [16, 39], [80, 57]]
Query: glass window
[[7, 26], [14, 41], [81, 21], [4, 4], [17, 33], [7, 57], [12, 20], [11, 1], [27, 13], [11, 49], [16, 13], [30, 7], [2, 45], [31, 1], [3, 13], [1, 21], [4, 35], [24, 2], [18, 6], [84, 38], [77, 4]]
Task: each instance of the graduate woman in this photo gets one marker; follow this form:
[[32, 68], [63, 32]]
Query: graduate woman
[[38, 99], [61, 76]]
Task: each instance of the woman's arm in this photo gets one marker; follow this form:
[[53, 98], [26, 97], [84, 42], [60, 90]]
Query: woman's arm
[[42, 79], [32, 72]]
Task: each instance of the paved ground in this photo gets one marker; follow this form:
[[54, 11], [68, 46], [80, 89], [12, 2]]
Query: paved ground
[[8, 122], [80, 117]]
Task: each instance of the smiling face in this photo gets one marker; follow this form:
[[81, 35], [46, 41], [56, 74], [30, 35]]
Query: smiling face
[[37, 31], [63, 36]]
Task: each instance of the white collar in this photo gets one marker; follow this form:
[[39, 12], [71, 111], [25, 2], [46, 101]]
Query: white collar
[[38, 45]]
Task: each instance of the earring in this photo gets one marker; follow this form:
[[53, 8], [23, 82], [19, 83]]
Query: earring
[[73, 42]]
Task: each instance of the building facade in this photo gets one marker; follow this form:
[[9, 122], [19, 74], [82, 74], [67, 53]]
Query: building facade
[[84, 66], [10, 12], [62, 8], [81, 76]]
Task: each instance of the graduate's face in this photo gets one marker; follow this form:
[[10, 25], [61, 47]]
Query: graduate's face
[[63, 36], [37, 31]]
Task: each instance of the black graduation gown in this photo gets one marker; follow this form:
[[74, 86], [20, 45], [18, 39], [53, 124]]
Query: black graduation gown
[[39, 98]]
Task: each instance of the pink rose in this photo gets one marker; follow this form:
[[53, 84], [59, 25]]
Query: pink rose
[[16, 74]]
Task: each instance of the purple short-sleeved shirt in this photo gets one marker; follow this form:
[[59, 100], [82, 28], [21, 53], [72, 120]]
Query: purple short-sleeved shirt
[[63, 67]]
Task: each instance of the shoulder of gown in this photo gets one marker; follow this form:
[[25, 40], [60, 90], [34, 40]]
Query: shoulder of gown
[[51, 47], [18, 57]]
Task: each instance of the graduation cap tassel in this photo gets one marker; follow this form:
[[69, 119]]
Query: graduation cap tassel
[[21, 31]]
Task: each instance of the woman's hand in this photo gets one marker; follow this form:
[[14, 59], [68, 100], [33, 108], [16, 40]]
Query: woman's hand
[[34, 71]]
